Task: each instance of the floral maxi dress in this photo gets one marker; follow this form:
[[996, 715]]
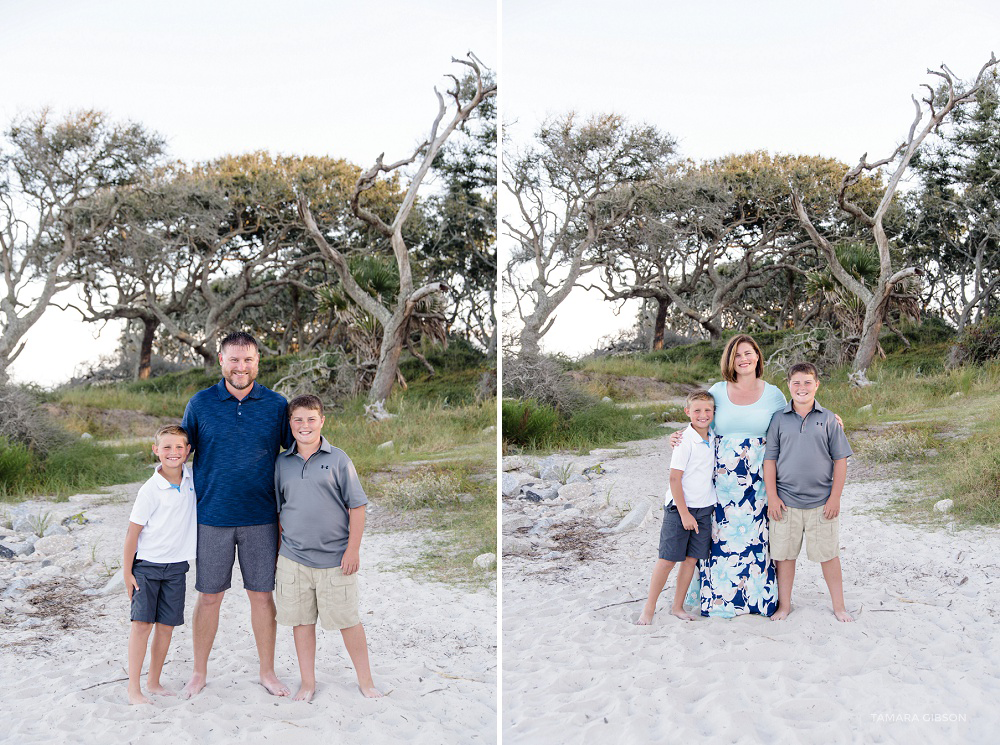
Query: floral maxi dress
[[739, 578]]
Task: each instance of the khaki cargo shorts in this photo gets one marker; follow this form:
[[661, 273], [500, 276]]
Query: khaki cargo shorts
[[822, 535], [303, 593]]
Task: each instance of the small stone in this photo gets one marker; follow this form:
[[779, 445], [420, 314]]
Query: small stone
[[514, 545], [607, 400], [385, 445], [514, 463], [86, 436], [116, 582], [48, 572], [866, 407], [536, 493], [6, 553], [56, 529], [489, 430], [957, 394], [485, 561], [513, 523], [637, 417], [512, 482], [466, 498], [944, 505], [578, 479], [55, 544], [576, 491], [24, 523]]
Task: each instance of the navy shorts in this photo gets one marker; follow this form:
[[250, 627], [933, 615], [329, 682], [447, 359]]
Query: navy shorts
[[678, 543], [258, 552], [160, 597]]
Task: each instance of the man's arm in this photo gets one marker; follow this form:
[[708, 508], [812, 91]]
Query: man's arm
[[352, 556], [131, 544], [832, 507]]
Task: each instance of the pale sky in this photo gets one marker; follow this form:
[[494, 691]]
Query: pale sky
[[323, 77], [831, 79]]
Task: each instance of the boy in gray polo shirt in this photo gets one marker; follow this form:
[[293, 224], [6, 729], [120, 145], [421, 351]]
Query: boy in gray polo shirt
[[321, 516], [805, 466]]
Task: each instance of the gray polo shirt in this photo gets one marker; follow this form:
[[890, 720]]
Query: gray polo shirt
[[314, 498], [805, 450]]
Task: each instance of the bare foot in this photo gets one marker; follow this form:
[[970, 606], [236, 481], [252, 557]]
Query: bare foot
[[274, 686], [843, 615], [194, 686], [681, 614], [645, 618], [136, 697], [781, 614], [370, 691], [159, 690], [305, 693]]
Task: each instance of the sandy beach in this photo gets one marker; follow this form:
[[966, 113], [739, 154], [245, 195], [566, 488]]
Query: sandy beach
[[919, 665], [63, 653]]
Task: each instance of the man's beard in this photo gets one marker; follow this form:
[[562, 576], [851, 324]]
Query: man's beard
[[234, 384]]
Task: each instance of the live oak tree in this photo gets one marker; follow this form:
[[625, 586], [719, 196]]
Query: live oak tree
[[50, 167], [395, 318], [936, 105], [580, 180]]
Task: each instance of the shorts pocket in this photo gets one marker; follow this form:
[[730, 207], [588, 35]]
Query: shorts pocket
[[285, 583]]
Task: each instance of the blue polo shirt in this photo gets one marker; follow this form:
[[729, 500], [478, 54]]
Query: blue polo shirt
[[235, 445]]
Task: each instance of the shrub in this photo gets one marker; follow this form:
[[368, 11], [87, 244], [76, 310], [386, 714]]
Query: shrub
[[17, 465], [979, 343], [23, 421], [543, 380], [422, 489], [529, 424]]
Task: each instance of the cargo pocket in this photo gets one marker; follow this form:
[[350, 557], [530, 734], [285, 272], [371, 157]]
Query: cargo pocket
[[285, 582], [343, 589]]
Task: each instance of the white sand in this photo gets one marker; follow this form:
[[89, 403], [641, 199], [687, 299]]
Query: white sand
[[432, 648], [919, 665]]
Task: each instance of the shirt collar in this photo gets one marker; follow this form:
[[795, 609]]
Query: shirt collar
[[790, 408], [692, 434], [223, 392], [324, 446], [162, 483]]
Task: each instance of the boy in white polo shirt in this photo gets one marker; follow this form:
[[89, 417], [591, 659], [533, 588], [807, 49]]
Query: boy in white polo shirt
[[162, 538], [686, 533]]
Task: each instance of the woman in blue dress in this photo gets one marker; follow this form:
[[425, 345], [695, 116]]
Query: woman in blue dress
[[739, 577]]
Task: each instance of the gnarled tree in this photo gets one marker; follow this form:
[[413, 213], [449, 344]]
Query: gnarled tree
[[394, 319], [937, 105]]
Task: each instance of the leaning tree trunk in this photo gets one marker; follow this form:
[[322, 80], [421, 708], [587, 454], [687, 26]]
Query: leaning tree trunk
[[388, 359]]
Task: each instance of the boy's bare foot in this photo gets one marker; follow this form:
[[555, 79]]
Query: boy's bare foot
[[305, 693], [645, 618], [843, 615], [781, 614], [274, 686], [194, 686], [681, 614], [159, 690], [370, 691], [136, 697]]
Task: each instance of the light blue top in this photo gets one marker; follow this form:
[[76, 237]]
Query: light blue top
[[751, 420]]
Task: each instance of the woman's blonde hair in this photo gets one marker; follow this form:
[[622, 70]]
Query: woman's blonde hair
[[728, 361]]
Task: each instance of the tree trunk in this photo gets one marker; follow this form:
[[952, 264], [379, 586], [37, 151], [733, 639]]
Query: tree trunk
[[145, 367], [660, 324], [388, 360], [868, 346]]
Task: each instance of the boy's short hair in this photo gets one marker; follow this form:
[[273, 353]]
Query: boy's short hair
[[699, 395], [728, 361], [238, 339], [170, 429], [803, 367], [307, 401]]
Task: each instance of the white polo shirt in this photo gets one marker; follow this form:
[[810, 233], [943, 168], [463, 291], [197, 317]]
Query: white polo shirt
[[696, 457], [169, 519]]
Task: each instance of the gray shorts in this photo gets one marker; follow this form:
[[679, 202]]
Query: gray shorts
[[258, 550], [677, 543], [160, 597]]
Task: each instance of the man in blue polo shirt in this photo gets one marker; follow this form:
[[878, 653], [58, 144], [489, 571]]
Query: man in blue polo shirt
[[237, 428]]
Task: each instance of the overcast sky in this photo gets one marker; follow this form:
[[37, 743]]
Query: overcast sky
[[831, 79], [322, 77]]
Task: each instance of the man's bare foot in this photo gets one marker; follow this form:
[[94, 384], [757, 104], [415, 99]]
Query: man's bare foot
[[370, 691], [194, 686], [843, 615], [274, 686], [136, 697], [645, 618], [305, 693], [781, 614], [681, 614], [159, 690]]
